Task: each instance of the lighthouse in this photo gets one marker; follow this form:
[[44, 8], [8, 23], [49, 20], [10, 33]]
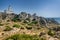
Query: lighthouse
[[9, 10]]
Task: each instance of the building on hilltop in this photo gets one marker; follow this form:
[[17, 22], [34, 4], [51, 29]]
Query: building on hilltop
[[9, 10], [9, 13]]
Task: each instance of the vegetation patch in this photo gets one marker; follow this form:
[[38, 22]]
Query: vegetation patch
[[22, 28], [51, 32], [1, 24], [8, 20], [23, 37], [30, 24], [29, 28], [25, 21], [16, 25], [16, 19], [34, 22], [8, 28]]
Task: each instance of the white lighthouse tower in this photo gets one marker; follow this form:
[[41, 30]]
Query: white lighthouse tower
[[9, 10]]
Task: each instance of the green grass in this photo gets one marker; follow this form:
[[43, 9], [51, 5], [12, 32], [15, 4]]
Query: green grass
[[23, 37]]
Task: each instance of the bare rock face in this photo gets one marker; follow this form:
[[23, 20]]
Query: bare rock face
[[51, 20], [23, 15], [43, 21]]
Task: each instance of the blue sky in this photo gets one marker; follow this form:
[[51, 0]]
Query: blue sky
[[45, 8]]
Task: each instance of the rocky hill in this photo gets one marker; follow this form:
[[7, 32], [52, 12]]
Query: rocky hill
[[24, 23], [23, 16]]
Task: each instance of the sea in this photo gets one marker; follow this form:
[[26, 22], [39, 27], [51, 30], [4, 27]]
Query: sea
[[57, 19]]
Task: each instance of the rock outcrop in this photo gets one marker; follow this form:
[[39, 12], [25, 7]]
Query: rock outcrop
[[23, 16]]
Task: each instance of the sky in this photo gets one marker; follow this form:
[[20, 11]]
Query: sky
[[45, 8]]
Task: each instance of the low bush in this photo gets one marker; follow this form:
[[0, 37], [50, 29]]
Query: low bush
[[38, 28], [16, 19], [7, 28], [25, 21], [30, 24], [51, 32], [29, 28], [1, 24], [16, 25], [23, 37], [22, 28], [34, 22], [8, 20]]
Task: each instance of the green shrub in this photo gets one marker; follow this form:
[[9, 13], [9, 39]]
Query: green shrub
[[8, 28], [42, 39], [1, 24], [22, 28], [15, 20], [29, 28], [38, 28], [34, 22], [8, 20], [25, 21], [51, 32], [30, 24], [16, 25], [23, 37]]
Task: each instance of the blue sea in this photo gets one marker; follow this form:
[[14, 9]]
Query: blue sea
[[57, 19]]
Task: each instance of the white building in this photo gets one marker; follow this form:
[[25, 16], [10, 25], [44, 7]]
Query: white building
[[9, 10]]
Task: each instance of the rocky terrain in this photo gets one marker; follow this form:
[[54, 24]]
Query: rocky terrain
[[31, 25]]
